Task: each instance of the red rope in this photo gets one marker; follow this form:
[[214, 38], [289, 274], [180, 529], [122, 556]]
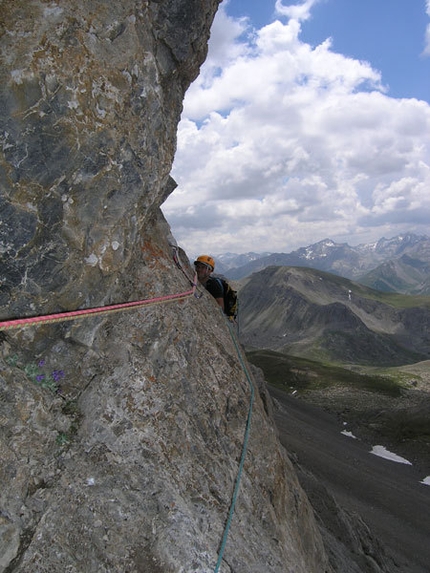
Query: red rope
[[72, 314]]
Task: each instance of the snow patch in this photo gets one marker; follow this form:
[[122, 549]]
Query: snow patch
[[426, 480], [349, 434], [384, 453]]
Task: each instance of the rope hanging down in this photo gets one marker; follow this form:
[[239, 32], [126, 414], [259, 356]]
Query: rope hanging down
[[244, 449], [74, 314]]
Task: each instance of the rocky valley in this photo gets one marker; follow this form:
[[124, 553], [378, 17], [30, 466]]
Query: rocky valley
[[344, 347], [339, 355]]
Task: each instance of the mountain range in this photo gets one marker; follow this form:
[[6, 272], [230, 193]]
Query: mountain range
[[400, 264], [328, 344], [320, 316]]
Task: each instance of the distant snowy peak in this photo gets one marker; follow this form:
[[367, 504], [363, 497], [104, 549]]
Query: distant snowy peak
[[393, 246], [320, 249], [340, 258]]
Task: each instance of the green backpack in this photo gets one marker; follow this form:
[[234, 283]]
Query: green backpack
[[230, 298]]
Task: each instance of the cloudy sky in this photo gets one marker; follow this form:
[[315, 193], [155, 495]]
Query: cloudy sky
[[309, 120]]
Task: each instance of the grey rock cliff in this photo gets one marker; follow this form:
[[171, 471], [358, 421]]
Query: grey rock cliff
[[120, 434]]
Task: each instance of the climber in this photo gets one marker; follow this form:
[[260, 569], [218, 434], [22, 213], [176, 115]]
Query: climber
[[204, 266]]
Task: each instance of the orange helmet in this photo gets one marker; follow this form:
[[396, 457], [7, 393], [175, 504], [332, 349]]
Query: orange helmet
[[206, 260]]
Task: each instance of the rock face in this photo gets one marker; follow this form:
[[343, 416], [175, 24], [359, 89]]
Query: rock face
[[121, 434]]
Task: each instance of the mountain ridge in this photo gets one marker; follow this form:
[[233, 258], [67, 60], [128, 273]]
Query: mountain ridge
[[310, 313], [366, 263]]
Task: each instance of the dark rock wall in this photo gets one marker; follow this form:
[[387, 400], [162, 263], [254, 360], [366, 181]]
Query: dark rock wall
[[91, 94], [121, 434]]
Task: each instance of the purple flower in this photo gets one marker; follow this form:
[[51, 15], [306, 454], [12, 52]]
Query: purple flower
[[41, 363], [40, 377], [57, 375]]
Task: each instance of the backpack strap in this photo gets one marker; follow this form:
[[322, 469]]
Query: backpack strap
[[221, 283]]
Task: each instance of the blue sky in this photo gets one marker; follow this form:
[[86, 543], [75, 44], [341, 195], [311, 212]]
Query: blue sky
[[390, 34], [309, 120], [392, 41]]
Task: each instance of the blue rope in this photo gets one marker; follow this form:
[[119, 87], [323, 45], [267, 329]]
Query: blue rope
[[242, 459]]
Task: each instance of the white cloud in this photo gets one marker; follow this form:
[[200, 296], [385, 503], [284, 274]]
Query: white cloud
[[297, 11], [282, 144]]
